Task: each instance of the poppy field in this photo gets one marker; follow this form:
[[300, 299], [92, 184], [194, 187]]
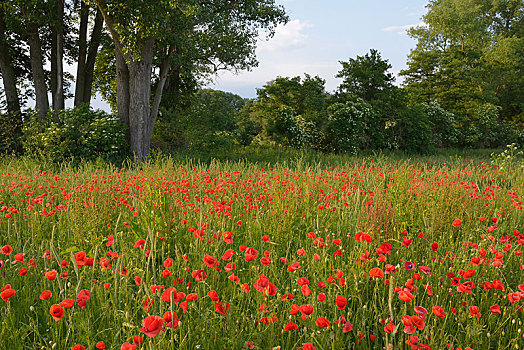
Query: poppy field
[[363, 254]]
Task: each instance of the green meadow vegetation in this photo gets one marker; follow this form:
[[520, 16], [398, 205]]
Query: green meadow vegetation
[[376, 251]]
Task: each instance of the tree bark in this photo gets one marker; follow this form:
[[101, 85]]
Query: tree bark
[[140, 122], [164, 71], [122, 87], [53, 76], [37, 69], [8, 72], [59, 102], [82, 52], [96, 36]]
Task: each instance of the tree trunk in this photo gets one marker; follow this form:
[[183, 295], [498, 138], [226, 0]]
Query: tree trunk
[[140, 122], [58, 103], [96, 35], [37, 69], [164, 71], [82, 52], [53, 73], [122, 87], [8, 72]]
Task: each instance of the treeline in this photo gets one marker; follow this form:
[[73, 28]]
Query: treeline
[[464, 85], [298, 112]]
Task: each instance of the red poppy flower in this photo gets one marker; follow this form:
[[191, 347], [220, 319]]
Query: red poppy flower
[[438, 311], [171, 319], [265, 261], [199, 275], [82, 298], [457, 222], [6, 250], [190, 297], [46, 294], [78, 347], [128, 346], [184, 306], [305, 290], [57, 312], [7, 294], [152, 325], [322, 322], [140, 243], [228, 254], [210, 261], [138, 339], [170, 294], [290, 326], [495, 309], [347, 327], [67, 303], [474, 311], [341, 302], [307, 346], [222, 308], [376, 272], [100, 345], [213, 295], [50, 275], [421, 310], [306, 309]]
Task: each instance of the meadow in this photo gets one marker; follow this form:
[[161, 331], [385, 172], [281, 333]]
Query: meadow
[[305, 252]]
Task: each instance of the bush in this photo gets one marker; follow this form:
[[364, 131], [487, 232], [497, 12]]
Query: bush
[[414, 129], [349, 126], [10, 133], [443, 130], [485, 130], [288, 129], [80, 133]]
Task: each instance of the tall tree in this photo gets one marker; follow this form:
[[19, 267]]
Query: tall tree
[[468, 53], [87, 52], [7, 68], [147, 33]]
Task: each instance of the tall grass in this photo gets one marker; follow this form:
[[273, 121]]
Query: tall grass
[[186, 208]]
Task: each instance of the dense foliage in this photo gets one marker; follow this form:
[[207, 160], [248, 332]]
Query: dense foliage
[[76, 134]]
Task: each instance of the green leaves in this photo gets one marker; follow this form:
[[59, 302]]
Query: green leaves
[[468, 54]]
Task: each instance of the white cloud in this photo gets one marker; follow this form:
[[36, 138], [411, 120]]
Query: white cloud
[[402, 29], [289, 36]]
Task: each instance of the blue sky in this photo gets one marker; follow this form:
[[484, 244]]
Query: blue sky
[[323, 32]]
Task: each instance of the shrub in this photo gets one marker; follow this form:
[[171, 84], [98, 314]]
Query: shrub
[[10, 133], [485, 130], [349, 126], [288, 129], [79, 133], [414, 129], [443, 130]]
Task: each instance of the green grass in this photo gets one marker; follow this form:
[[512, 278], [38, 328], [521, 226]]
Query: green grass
[[285, 195]]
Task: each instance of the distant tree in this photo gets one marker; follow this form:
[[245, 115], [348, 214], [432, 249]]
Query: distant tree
[[469, 53], [291, 101], [367, 78]]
